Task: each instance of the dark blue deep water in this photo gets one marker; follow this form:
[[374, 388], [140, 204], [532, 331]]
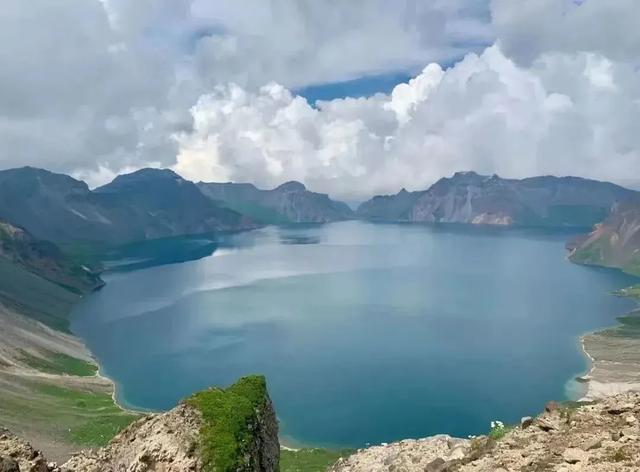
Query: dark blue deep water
[[366, 333]]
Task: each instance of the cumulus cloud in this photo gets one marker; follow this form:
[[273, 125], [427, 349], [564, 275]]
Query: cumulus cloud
[[566, 114], [93, 87], [97, 87]]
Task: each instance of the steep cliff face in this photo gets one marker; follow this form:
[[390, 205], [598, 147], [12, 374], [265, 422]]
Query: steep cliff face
[[468, 197], [221, 430], [613, 243], [146, 204], [291, 202]]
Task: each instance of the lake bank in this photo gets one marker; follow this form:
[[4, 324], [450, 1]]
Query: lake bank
[[51, 390], [614, 354]]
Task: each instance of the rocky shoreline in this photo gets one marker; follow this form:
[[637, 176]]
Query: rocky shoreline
[[615, 363], [601, 437]]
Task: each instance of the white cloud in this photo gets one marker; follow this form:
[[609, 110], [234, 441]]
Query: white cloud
[[95, 87], [528, 29], [567, 114], [88, 86]]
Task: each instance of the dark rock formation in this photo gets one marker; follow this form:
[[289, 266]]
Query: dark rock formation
[[146, 204], [477, 199]]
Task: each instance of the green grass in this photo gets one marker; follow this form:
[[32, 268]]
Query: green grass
[[78, 417], [59, 363], [100, 419], [629, 327], [499, 432], [229, 416], [311, 460], [631, 292], [36, 297]]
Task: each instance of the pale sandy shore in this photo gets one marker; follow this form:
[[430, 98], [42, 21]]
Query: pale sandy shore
[[615, 363]]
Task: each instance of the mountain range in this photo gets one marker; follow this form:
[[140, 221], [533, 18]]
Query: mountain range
[[468, 197], [146, 204], [158, 203], [290, 202]]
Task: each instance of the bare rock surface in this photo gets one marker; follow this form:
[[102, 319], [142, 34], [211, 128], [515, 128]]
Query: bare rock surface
[[166, 442], [411, 454], [16, 455], [599, 437]]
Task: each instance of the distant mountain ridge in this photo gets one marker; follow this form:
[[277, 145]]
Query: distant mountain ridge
[[468, 197], [290, 202], [147, 204]]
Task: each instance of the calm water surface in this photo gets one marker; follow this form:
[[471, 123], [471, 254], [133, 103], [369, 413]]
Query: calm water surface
[[366, 333]]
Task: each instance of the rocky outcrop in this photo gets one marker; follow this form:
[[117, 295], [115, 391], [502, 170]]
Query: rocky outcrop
[[17, 455], [471, 198], [613, 243], [598, 437], [222, 430], [291, 202], [156, 442], [147, 204]]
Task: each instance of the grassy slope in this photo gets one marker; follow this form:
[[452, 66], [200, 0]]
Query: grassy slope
[[73, 416], [35, 297], [52, 399], [58, 363]]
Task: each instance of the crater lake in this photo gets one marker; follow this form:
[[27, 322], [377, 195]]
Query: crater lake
[[367, 333]]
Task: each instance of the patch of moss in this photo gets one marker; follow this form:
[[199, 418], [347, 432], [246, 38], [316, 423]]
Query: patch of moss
[[229, 416], [59, 363], [310, 460]]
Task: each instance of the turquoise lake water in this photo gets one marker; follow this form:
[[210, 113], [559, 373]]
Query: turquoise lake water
[[366, 333]]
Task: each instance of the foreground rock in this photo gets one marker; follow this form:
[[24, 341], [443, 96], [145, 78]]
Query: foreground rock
[[234, 429], [598, 437], [17, 455], [215, 430]]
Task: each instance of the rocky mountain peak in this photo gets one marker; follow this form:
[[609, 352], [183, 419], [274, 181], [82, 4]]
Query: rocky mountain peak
[[140, 177], [291, 186]]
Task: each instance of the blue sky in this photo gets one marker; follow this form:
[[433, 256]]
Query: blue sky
[[361, 87]]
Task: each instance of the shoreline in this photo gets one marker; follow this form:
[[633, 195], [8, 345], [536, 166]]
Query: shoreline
[[613, 356]]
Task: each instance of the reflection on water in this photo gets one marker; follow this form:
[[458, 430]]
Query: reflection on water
[[366, 333]]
